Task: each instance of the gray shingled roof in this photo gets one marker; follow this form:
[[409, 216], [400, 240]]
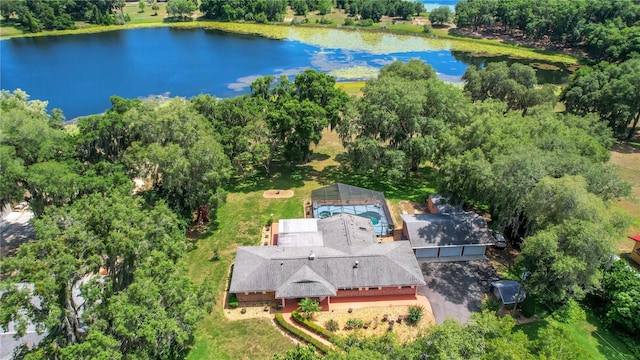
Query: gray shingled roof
[[351, 257], [305, 281], [430, 230]]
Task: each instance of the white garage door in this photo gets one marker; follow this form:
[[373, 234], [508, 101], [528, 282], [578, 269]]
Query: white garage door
[[473, 250], [427, 253], [451, 251]]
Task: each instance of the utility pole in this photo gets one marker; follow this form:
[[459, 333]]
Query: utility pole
[[519, 294]]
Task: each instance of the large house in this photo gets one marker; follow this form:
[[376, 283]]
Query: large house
[[334, 257], [455, 236]]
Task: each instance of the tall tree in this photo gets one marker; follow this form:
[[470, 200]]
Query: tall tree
[[181, 9], [175, 150], [440, 15], [394, 126], [514, 84], [610, 90]]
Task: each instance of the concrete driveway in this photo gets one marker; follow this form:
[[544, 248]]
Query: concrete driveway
[[455, 289]]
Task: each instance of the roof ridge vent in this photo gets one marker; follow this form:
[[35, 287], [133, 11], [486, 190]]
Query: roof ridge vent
[[311, 255]]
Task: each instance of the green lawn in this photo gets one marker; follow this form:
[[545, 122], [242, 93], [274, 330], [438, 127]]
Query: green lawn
[[590, 335]]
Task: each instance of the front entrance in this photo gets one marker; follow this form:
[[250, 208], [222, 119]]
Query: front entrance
[[289, 305]]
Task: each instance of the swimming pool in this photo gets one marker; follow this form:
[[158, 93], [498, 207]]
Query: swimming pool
[[375, 212]]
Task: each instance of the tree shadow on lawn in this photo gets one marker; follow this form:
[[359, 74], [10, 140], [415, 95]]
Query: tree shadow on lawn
[[609, 343], [416, 187], [283, 177]]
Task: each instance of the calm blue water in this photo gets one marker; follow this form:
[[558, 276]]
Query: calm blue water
[[432, 4], [79, 73]]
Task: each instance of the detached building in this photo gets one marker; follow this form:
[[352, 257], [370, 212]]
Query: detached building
[[333, 257], [508, 291], [456, 236]]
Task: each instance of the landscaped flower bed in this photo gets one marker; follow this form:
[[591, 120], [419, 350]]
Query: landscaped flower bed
[[369, 321]]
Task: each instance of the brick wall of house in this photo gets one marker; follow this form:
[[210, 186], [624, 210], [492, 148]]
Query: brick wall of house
[[268, 296], [405, 231], [375, 292], [635, 253]]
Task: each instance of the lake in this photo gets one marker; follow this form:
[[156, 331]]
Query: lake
[[79, 73], [429, 5]]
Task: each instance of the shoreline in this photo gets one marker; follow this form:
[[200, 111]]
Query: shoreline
[[441, 39]]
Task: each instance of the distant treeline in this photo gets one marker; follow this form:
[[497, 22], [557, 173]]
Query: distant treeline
[[38, 15], [607, 29], [274, 10]]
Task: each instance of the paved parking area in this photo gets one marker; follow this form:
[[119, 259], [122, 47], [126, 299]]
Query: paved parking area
[[455, 289]]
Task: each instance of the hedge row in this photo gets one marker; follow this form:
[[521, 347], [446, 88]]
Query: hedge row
[[301, 334], [313, 327]]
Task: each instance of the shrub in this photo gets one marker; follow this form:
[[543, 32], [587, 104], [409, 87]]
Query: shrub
[[491, 303], [233, 301], [531, 307], [325, 21], [301, 334], [349, 22], [571, 312], [332, 325], [365, 22], [354, 324], [261, 18], [308, 307], [297, 317], [427, 29], [415, 314]]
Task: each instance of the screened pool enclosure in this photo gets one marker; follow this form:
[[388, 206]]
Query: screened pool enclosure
[[340, 198]]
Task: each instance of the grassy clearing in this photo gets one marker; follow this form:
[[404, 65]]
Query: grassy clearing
[[590, 335], [352, 88]]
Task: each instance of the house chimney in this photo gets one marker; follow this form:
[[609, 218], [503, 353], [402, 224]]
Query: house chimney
[[311, 256]]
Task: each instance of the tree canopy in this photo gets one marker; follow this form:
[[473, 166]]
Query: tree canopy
[[609, 90], [609, 29]]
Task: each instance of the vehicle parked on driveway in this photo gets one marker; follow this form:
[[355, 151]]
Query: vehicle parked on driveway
[[500, 242]]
